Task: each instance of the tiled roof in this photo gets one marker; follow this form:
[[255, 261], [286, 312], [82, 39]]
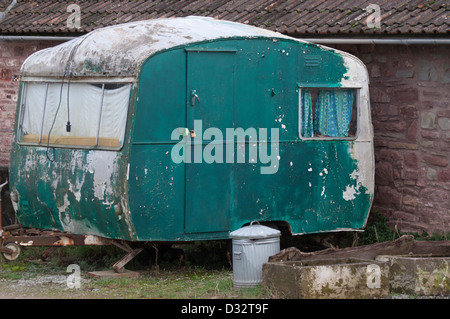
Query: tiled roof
[[295, 17]]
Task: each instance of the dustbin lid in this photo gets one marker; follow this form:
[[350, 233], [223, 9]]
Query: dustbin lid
[[255, 232]]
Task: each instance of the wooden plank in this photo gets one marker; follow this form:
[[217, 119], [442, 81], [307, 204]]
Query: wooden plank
[[401, 246]]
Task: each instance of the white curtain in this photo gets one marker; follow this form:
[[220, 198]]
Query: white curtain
[[47, 102]]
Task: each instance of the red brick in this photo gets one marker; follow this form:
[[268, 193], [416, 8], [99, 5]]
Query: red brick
[[388, 197], [409, 112], [412, 132], [411, 159], [19, 51], [390, 155], [445, 113], [399, 126], [435, 160], [444, 175], [435, 195], [430, 134], [410, 175], [406, 95], [383, 173], [404, 216], [379, 95], [411, 200], [5, 74]]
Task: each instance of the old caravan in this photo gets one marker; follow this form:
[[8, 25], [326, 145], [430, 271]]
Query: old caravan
[[188, 128]]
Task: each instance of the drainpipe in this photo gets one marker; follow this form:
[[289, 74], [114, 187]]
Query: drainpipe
[[34, 38], [406, 41]]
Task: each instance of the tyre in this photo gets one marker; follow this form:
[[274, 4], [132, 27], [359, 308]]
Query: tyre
[[15, 252]]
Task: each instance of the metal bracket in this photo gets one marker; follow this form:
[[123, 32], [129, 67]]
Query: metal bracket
[[194, 97]]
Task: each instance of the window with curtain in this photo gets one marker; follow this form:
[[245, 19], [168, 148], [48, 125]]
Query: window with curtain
[[328, 112], [74, 114]]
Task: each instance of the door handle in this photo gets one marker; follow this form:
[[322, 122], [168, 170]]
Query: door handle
[[194, 97]]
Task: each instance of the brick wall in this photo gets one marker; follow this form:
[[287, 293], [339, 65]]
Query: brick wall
[[12, 55], [410, 100]]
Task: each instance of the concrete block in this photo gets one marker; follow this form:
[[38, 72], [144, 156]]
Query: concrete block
[[419, 275], [327, 279]]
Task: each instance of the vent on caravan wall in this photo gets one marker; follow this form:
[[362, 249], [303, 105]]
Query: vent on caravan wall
[[312, 61]]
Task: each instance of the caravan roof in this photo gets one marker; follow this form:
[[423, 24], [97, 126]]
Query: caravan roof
[[120, 50]]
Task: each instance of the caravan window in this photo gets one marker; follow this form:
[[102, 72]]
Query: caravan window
[[74, 114], [328, 112]]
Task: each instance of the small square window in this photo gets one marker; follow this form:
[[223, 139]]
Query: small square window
[[328, 112]]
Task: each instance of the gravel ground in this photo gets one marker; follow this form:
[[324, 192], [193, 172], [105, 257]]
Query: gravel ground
[[41, 287], [56, 287]]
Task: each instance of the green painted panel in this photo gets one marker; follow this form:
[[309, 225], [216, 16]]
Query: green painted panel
[[319, 65], [307, 191], [243, 84], [157, 196], [210, 74], [266, 95], [161, 97]]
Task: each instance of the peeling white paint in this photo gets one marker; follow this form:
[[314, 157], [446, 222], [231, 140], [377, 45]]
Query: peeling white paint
[[102, 164], [349, 193], [63, 208], [94, 240], [64, 217], [28, 243], [115, 50], [362, 152]]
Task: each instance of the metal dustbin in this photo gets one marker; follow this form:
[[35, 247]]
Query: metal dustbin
[[252, 247]]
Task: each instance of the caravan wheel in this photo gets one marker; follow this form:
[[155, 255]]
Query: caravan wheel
[[15, 252]]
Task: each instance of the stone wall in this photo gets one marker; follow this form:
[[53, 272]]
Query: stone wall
[[410, 100], [12, 55]]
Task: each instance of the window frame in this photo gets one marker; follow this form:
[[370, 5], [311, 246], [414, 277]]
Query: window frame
[[307, 86], [42, 142]]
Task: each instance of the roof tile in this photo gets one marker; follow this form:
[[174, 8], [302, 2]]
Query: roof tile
[[288, 16]]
